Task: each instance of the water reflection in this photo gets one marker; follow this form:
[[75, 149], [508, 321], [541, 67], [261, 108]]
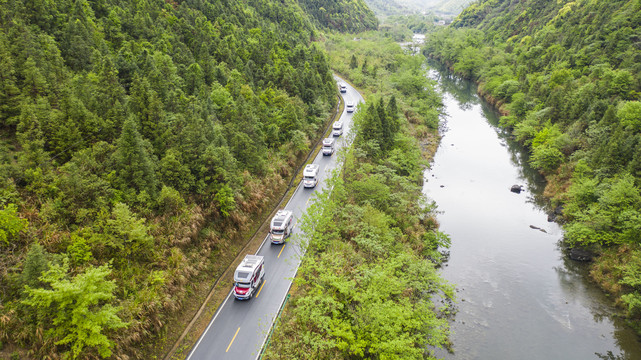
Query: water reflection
[[464, 92]]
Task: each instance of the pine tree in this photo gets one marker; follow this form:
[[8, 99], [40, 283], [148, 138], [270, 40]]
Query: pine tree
[[9, 92], [392, 112], [364, 68], [109, 97], [34, 265], [133, 161], [35, 83], [353, 63], [386, 129], [30, 136]]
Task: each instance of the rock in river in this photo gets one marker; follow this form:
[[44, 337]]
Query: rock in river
[[516, 189], [579, 254]]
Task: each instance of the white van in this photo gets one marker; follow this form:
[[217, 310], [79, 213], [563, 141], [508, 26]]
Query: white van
[[342, 87], [248, 276], [328, 146], [281, 226], [337, 129], [310, 175], [349, 105]]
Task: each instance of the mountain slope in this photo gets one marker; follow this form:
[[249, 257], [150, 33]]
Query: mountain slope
[[126, 128], [384, 8], [341, 15]]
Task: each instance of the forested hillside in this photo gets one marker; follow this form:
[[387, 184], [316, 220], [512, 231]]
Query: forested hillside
[[126, 128], [384, 8], [341, 15], [567, 77]]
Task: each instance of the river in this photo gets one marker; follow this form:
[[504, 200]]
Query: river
[[519, 297]]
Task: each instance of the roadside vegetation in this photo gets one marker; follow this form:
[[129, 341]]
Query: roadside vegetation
[[368, 286], [567, 78], [139, 143]]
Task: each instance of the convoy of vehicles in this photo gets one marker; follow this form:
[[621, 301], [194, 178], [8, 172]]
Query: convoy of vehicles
[[251, 272], [337, 128], [281, 226], [349, 105], [328, 146], [310, 175], [248, 276]]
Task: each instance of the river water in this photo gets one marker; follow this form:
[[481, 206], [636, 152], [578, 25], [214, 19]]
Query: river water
[[518, 296]]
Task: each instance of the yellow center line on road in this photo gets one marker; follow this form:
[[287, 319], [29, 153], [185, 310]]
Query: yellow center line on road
[[281, 251], [232, 340], [261, 288]]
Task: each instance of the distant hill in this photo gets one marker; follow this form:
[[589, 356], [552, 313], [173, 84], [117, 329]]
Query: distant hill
[[341, 15], [384, 8]]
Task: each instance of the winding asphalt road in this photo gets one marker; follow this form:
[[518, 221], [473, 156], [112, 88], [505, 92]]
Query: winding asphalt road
[[239, 329]]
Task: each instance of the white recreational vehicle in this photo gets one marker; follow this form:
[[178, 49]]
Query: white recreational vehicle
[[281, 226], [248, 276], [310, 175], [349, 105], [342, 87], [328, 146], [337, 128]]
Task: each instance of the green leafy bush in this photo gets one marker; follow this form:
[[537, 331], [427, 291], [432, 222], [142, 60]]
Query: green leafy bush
[[77, 311], [10, 223]]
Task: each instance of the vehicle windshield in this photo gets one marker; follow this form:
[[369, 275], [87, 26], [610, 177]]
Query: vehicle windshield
[[243, 285], [278, 232], [327, 146], [309, 178]]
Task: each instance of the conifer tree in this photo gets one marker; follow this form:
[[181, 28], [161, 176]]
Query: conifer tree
[[9, 92], [109, 97], [386, 129], [133, 161], [34, 265], [34, 82], [30, 136], [364, 68], [353, 63]]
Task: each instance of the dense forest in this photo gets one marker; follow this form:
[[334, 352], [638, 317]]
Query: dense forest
[[341, 15], [139, 141], [368, 287], [384, 8], [566, 75]]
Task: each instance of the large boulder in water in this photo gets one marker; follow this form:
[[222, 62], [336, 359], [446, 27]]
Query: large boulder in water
[[579, 254], [516, 189], [558, 211]]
